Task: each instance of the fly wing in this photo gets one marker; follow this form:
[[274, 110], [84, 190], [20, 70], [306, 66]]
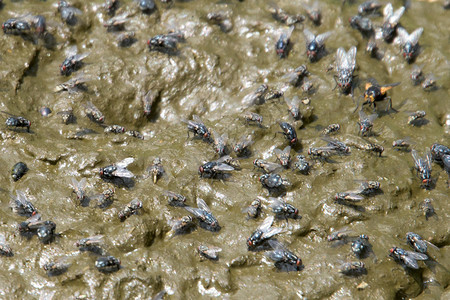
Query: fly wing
[[287, 150], [340, 58], [362, 115], [81, 56], [329, 140], [410, 262], [223, 159], [432, 245], [34, 218], [351, 58], [224, 137], [428, 160], [417, 255], [353, 196], [372, 117], [73, 10], [289, 32], [74, 183], [272, 167], [271, 232], [276, 245], [22, 197], [290, 77], [71, 51], [224, 167], [97, 239], [124, 163], [197, 119], [295, 101], [82, 183], [309, 36], [202, 205], [2, 239], [265, 225], [414, 37], [286, 99], [278, 152], [321, 38], [402, 37], [123, 172], [416, 157], [396, 16], [388, 11], [274, 202], [195, 211]]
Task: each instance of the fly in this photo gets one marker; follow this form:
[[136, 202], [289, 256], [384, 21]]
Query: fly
[[284, 259], [391, 19], [366, 123], [283, 156], [407, 258], [423, 167], [198, 128], [263, 232], [283, 44], [345, 66], [409, 42], [315, 45], [204, 216]]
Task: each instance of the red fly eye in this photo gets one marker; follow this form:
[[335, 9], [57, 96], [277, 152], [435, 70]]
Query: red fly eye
[[148, 42]]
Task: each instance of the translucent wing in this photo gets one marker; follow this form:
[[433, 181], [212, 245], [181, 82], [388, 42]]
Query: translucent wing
[[397, 15], [82, 183], [124, 163], [417, 255], [351, 58], [195, 211], [309, 36], [388, 11], [432, 245], [402, 36], [276, 245], [122, 172], [224, 158], [288, 33], [202, 205], [71, 51], [22, 198], [321, 38], [97, 239], [272, 167], [224, 167], [265, 225], [340, 58], [81, 56], [428, 159], [372, 117], [287, 150], [414, 37], [277, 152], [353, 196], [2, 239], [197, 119], [34, 218], [271, 232], [416, 157], [295, 101]]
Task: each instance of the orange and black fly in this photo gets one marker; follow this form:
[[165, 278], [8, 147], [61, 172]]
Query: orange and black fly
[[375, 93]]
